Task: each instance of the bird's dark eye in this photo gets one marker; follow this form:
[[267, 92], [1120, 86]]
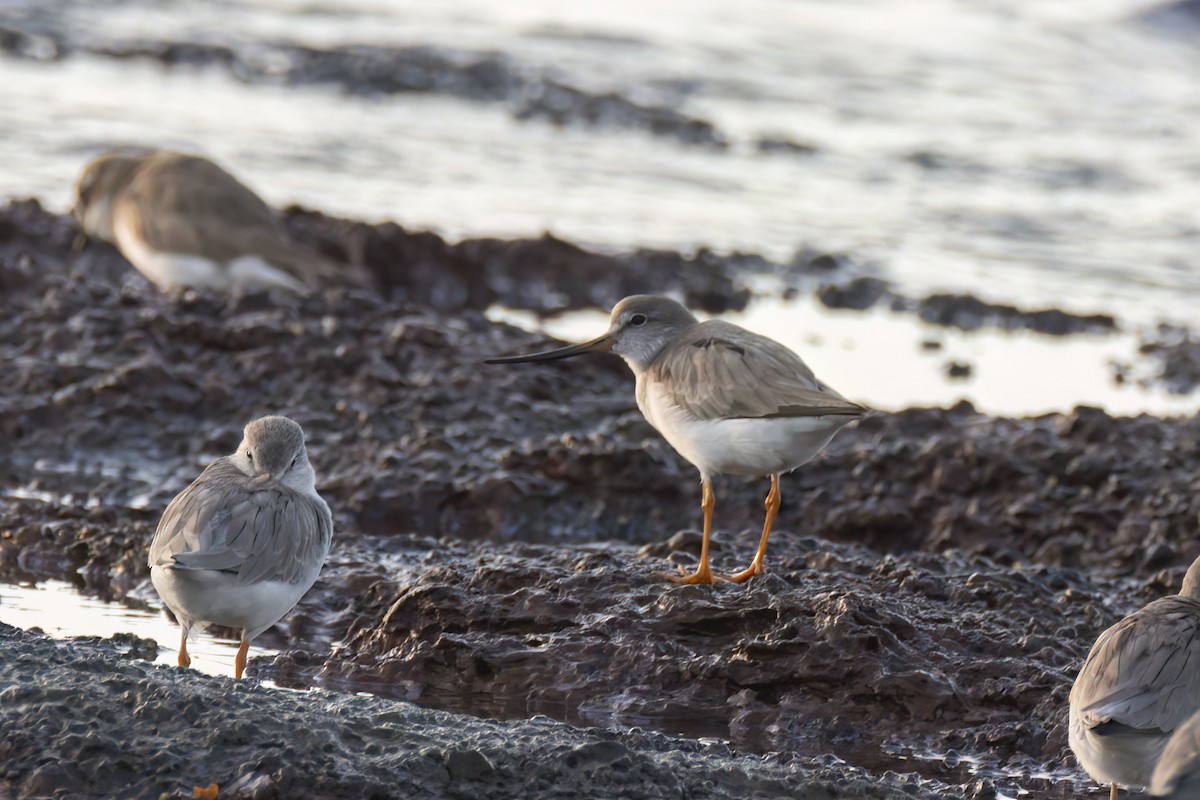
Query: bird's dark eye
[[250, 456], [637, 320]]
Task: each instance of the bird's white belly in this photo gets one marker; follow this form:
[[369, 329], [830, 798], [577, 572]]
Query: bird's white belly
[[171, 270], [1123, 760], [757, 446], [168, 270], [255, 271], [208, 596]]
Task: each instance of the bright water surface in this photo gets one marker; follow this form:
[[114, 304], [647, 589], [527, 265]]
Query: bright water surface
[[59, 610], [1040, 153], [1065, 133]]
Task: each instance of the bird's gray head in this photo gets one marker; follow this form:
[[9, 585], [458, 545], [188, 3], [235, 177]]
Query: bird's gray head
[[1191, 581], [642, 325], [273, 447], [96, 187], [639, 328]]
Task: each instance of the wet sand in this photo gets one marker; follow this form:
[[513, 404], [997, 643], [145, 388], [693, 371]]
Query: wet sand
[[935, 579]]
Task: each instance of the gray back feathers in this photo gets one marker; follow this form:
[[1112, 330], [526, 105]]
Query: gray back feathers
[[254, 526], [1143, 674], [718, 370]]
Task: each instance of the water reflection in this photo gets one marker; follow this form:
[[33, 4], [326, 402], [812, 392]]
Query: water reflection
[[61, 611]]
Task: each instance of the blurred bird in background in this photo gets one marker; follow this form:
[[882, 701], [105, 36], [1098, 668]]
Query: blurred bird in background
[[185, 222]]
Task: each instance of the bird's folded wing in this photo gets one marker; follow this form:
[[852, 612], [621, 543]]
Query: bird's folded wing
[[225, 522], [720, 371], [1144, 672], [197, 207]]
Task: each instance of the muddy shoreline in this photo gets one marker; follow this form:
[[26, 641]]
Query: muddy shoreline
[[84, 721], [938, 572]]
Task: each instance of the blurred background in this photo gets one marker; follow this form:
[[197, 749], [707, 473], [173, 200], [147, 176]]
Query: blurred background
[[1040, 155]]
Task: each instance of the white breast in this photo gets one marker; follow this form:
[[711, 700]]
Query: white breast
[[167, 270], [171, 270], [255, 271], [760, 446]]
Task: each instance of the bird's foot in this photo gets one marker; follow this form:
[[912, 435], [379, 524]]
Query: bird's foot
[[205, 792], [703, 574], [755, 568], [184, 659]]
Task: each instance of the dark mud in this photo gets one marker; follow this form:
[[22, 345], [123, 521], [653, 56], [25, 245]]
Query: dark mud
[[965, 312], [546, 276], [935, 578], [1172, 360], [550, 276], [82, 723], [883, 661]]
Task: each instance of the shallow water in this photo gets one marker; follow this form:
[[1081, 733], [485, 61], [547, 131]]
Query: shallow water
[[61, 611], [1064, 177]]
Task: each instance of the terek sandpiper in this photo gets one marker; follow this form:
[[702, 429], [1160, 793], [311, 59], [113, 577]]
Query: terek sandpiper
[[182, 221], [242, 544], [1140, 682], [728, 400]]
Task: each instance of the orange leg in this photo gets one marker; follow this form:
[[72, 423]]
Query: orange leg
[[1112, 792], [239, 663], [703, 573], [184, 659], [772, 506]]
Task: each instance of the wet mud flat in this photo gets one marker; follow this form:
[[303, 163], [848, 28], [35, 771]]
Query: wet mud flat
[[81, 721], [935, 580]]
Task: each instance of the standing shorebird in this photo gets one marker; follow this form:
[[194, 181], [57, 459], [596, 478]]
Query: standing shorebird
[[182, 221], [1177, 774], [1140, 682], [243, 543], [728, 400]]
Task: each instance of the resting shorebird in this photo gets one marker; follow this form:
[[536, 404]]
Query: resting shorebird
[[728, 400], [182, 221], [243, 543], [1177, 774], [1140, 682]]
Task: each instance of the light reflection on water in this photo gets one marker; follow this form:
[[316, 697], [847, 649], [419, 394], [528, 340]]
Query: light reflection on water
[[61, 611], [1061, 178]]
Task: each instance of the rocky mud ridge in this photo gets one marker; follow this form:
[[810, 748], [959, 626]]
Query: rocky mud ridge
[[1171, 359], [963, 311], [935, 580], [82, 722]]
